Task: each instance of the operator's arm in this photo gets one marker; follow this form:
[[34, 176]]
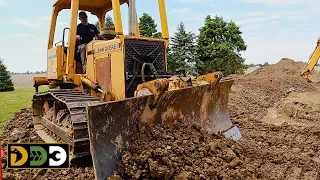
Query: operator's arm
[[97, 33], [313, 60], [78, 37]]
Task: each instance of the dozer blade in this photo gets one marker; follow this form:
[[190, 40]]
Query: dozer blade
[[112, 124]]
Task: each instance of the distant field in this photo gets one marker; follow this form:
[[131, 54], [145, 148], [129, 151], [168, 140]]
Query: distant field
[[251, 69], [25, 80], [12, 102], [21, 98]]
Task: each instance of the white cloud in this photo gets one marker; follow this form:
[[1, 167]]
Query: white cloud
[[27, 23], [193, 1], [275, 50], [180, 11], [254, 13], [258, 20], [253, 27], [215, 5], [20, 35], [3, 2], [45, 17], [280, 2]]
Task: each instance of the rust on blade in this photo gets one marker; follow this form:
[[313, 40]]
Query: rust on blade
[[109, 121]]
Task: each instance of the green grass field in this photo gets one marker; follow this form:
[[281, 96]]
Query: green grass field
[[11, 102]]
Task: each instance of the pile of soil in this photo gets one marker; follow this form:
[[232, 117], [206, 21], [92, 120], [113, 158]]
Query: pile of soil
[[301, 107], [181, 151], [252, 94], [21, 129], [278, 149], [266, 151]]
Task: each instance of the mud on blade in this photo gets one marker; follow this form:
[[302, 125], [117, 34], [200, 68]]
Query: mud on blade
[[111, 125]]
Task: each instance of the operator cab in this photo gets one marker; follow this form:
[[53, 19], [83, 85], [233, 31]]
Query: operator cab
[[63, 59]]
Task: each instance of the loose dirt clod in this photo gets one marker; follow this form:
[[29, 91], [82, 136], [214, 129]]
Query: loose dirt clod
[[181, 151]]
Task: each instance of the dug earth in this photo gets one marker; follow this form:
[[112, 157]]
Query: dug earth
[[275, 109]]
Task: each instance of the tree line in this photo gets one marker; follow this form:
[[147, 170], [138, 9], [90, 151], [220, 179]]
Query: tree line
[[6, 83], [218, 46], [28, 72]]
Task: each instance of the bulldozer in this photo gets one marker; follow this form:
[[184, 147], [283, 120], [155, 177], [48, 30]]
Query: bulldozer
[[126, 82], [313, 61]]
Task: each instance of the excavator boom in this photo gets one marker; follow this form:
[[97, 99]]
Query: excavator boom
[[313, 60]]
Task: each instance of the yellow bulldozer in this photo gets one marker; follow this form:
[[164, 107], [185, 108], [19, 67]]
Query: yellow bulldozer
[[126, 82]]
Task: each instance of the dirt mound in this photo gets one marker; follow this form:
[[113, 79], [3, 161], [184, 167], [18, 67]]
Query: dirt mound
[[253, 93], [266, 151], [20, 129], [284, 67], [281, 152], [301, 106], [181, 151], [277, 149]]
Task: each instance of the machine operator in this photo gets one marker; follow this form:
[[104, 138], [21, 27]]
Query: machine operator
[[85, 33]]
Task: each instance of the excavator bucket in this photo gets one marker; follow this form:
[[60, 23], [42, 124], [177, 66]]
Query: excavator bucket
[[112, 124]]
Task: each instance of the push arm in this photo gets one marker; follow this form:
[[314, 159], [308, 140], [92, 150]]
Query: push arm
[[313, 60]]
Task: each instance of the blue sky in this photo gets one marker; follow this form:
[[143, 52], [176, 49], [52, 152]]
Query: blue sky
[[272, 29]]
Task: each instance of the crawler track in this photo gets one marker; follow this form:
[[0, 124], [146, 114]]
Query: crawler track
[[60, 115]]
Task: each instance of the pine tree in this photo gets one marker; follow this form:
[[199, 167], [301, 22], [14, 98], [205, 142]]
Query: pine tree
[[181, 54], [148, 27], [108, 23], [5, 78]]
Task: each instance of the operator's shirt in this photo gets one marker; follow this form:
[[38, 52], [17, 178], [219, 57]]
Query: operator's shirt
[[86, 32]]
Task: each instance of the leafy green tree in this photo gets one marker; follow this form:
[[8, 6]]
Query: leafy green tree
[[108, 23], [266, 64], [219, 47], [251, 65], [5, 78], [181, 53], [148, 27]]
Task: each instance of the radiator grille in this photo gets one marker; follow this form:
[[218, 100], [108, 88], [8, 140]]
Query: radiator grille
[[135, 47], [143, 51]]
